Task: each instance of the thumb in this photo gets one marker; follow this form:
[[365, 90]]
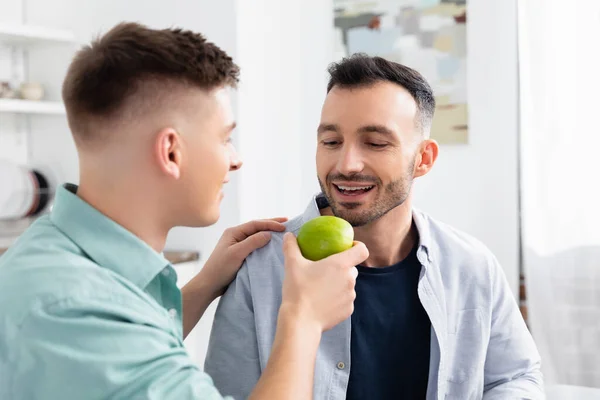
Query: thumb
[[291, 251], [252, 242], [353, 256]]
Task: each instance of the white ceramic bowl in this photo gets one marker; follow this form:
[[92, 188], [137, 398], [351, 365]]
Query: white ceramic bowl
[[32, 91]]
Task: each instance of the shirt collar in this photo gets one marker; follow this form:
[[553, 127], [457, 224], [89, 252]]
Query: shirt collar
[[104, 241]]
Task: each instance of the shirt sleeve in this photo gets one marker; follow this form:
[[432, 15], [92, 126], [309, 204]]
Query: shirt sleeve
[[104, 347], [232, 358], [512, 365]]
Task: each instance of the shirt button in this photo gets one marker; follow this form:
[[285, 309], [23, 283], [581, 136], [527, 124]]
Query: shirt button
[[341, 365], [166, 272], [173, 312]]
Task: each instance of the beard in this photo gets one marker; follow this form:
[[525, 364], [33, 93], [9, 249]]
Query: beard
[[388, 197]]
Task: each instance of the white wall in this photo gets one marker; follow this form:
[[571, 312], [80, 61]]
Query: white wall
[[13, 130], [283, 50]]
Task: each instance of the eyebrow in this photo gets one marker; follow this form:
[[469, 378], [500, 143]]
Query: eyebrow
[[376, 129], [327, 128], [363, 129]]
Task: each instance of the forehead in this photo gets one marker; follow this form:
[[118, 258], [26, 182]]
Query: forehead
[[222, 98], [383, 103]]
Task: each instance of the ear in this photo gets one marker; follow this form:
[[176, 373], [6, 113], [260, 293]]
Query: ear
[[168, 152], [426, 156]]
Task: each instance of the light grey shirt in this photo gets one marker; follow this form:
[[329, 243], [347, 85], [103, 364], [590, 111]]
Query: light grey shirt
[[480, 345]]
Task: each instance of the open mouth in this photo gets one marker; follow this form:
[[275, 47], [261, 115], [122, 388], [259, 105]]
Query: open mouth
[[353, 190]]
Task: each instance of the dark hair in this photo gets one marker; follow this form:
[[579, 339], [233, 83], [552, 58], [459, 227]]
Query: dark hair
[[115, 68], [363, 70]]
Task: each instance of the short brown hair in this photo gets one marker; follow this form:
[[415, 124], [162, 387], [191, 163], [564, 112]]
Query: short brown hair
[[115, 68], [361, 70]]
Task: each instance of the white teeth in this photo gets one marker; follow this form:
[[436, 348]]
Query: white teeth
[[354, 188]]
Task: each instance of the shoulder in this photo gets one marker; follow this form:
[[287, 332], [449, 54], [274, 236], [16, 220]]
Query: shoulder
[[451, 247], [271, 255], [44, 270], [447, 236], [464, 268]]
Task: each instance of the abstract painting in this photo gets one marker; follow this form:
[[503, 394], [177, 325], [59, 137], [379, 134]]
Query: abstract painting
[[427, 35]]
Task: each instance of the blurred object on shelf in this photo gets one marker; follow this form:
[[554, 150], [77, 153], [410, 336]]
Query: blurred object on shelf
[[6, 91], [25, 192], [31, 91]]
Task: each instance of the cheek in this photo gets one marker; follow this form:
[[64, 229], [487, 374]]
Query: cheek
[[225, 156], [325, 163], [386, 168], [210, 164], [220, 164]]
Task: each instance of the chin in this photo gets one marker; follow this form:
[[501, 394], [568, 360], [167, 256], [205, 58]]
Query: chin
[[201, 219], [357, 214], [212, 219], [351, 208]]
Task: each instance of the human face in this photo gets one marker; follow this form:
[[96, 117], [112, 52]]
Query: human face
[[209, 156], [367, 150]]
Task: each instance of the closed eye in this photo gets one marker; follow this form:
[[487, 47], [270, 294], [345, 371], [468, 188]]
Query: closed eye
[[377, 145]]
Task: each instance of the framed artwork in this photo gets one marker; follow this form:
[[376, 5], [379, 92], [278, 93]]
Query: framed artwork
[[429, 36]]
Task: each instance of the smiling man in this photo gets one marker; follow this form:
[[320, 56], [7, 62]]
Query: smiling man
[[434, 316]]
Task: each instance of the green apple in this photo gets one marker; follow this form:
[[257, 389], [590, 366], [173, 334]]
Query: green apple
[[323, 236]]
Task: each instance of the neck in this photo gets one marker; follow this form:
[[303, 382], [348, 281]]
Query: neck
[[390, 239], [127, 205]]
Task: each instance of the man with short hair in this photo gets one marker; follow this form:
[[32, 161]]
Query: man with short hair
[[434, 316], [89, 307]]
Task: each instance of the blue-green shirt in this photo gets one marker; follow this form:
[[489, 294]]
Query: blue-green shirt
[[89, 311]]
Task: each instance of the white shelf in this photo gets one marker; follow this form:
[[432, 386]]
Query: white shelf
[[25, 35], [31, 107]]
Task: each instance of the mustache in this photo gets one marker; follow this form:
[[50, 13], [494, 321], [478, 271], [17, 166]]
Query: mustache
[[352, 178]]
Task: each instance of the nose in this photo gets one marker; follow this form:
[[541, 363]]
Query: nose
[[235, 162], [350, 161]]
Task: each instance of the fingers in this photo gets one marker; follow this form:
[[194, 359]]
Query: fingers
[[291, 251], [251, 243], [353, 256], [243, 231], [279, 219]]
